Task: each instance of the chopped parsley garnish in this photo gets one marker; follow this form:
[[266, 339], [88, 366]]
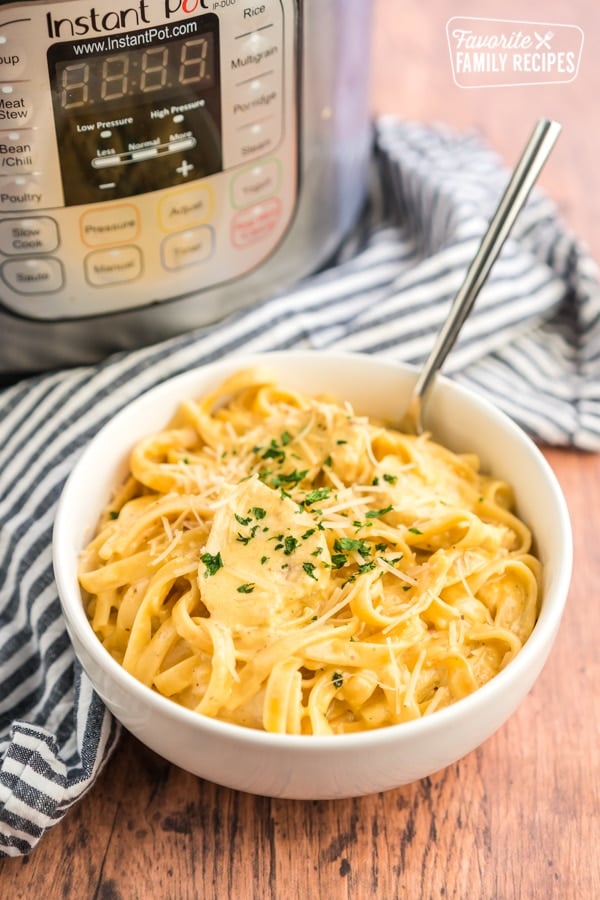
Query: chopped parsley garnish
[[377, 513], [309, 568], [263, 560], [391, 479], [290, 543], [258, 512], [246, 588], [346, 545], [274, 451], [337, 680], [338, 560], [415, 531], [291, 478], [113, 514], [308, 533], [212, 563], [341, 442], [243, 520], [316, 495]]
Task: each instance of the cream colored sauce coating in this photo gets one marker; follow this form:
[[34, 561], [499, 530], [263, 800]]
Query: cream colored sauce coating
[[278, 561]]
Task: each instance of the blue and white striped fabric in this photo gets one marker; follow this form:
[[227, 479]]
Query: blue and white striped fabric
[[532, 345]]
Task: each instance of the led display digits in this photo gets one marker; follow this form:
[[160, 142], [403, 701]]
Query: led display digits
[[144, 72]]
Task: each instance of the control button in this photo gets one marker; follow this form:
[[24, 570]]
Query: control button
[[114, 266], [115, 225], [185, 168], [179, 144], [144, 153], [259, 137], [15, 105], [255, 15], [255, 97], [255, 183], [105, 162], [19, 236], [186, 209], [20, 193], [41, 275], [189, 248], [17, 151], [12, 58], [257, 222], [255, 51]]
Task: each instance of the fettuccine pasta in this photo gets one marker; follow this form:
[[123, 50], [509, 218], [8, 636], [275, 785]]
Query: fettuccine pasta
[[278, 561]]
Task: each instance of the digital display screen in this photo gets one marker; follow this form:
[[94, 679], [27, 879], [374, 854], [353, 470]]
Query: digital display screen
[[137, 112], [143, 72]]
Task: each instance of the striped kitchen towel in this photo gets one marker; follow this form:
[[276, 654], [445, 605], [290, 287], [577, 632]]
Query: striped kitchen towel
[[532, 345]]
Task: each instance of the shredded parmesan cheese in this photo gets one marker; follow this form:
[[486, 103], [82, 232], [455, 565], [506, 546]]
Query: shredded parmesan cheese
[[280, 562]]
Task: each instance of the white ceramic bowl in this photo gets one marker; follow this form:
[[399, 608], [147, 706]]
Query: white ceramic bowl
[[312, 767]]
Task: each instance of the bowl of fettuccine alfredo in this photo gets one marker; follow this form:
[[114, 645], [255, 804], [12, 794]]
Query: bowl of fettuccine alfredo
[[275, 588]]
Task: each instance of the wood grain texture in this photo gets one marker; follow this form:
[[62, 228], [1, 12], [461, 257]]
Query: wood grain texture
[[519, 819]]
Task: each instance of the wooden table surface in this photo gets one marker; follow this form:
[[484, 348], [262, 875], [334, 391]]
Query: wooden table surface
[[517, 819]]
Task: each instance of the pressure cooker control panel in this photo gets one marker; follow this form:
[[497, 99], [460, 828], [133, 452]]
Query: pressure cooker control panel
[[146, 152]]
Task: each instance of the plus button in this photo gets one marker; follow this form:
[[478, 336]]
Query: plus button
[[185, 168]]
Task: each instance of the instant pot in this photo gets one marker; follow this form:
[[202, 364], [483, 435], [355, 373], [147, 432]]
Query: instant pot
[[165, 162]]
